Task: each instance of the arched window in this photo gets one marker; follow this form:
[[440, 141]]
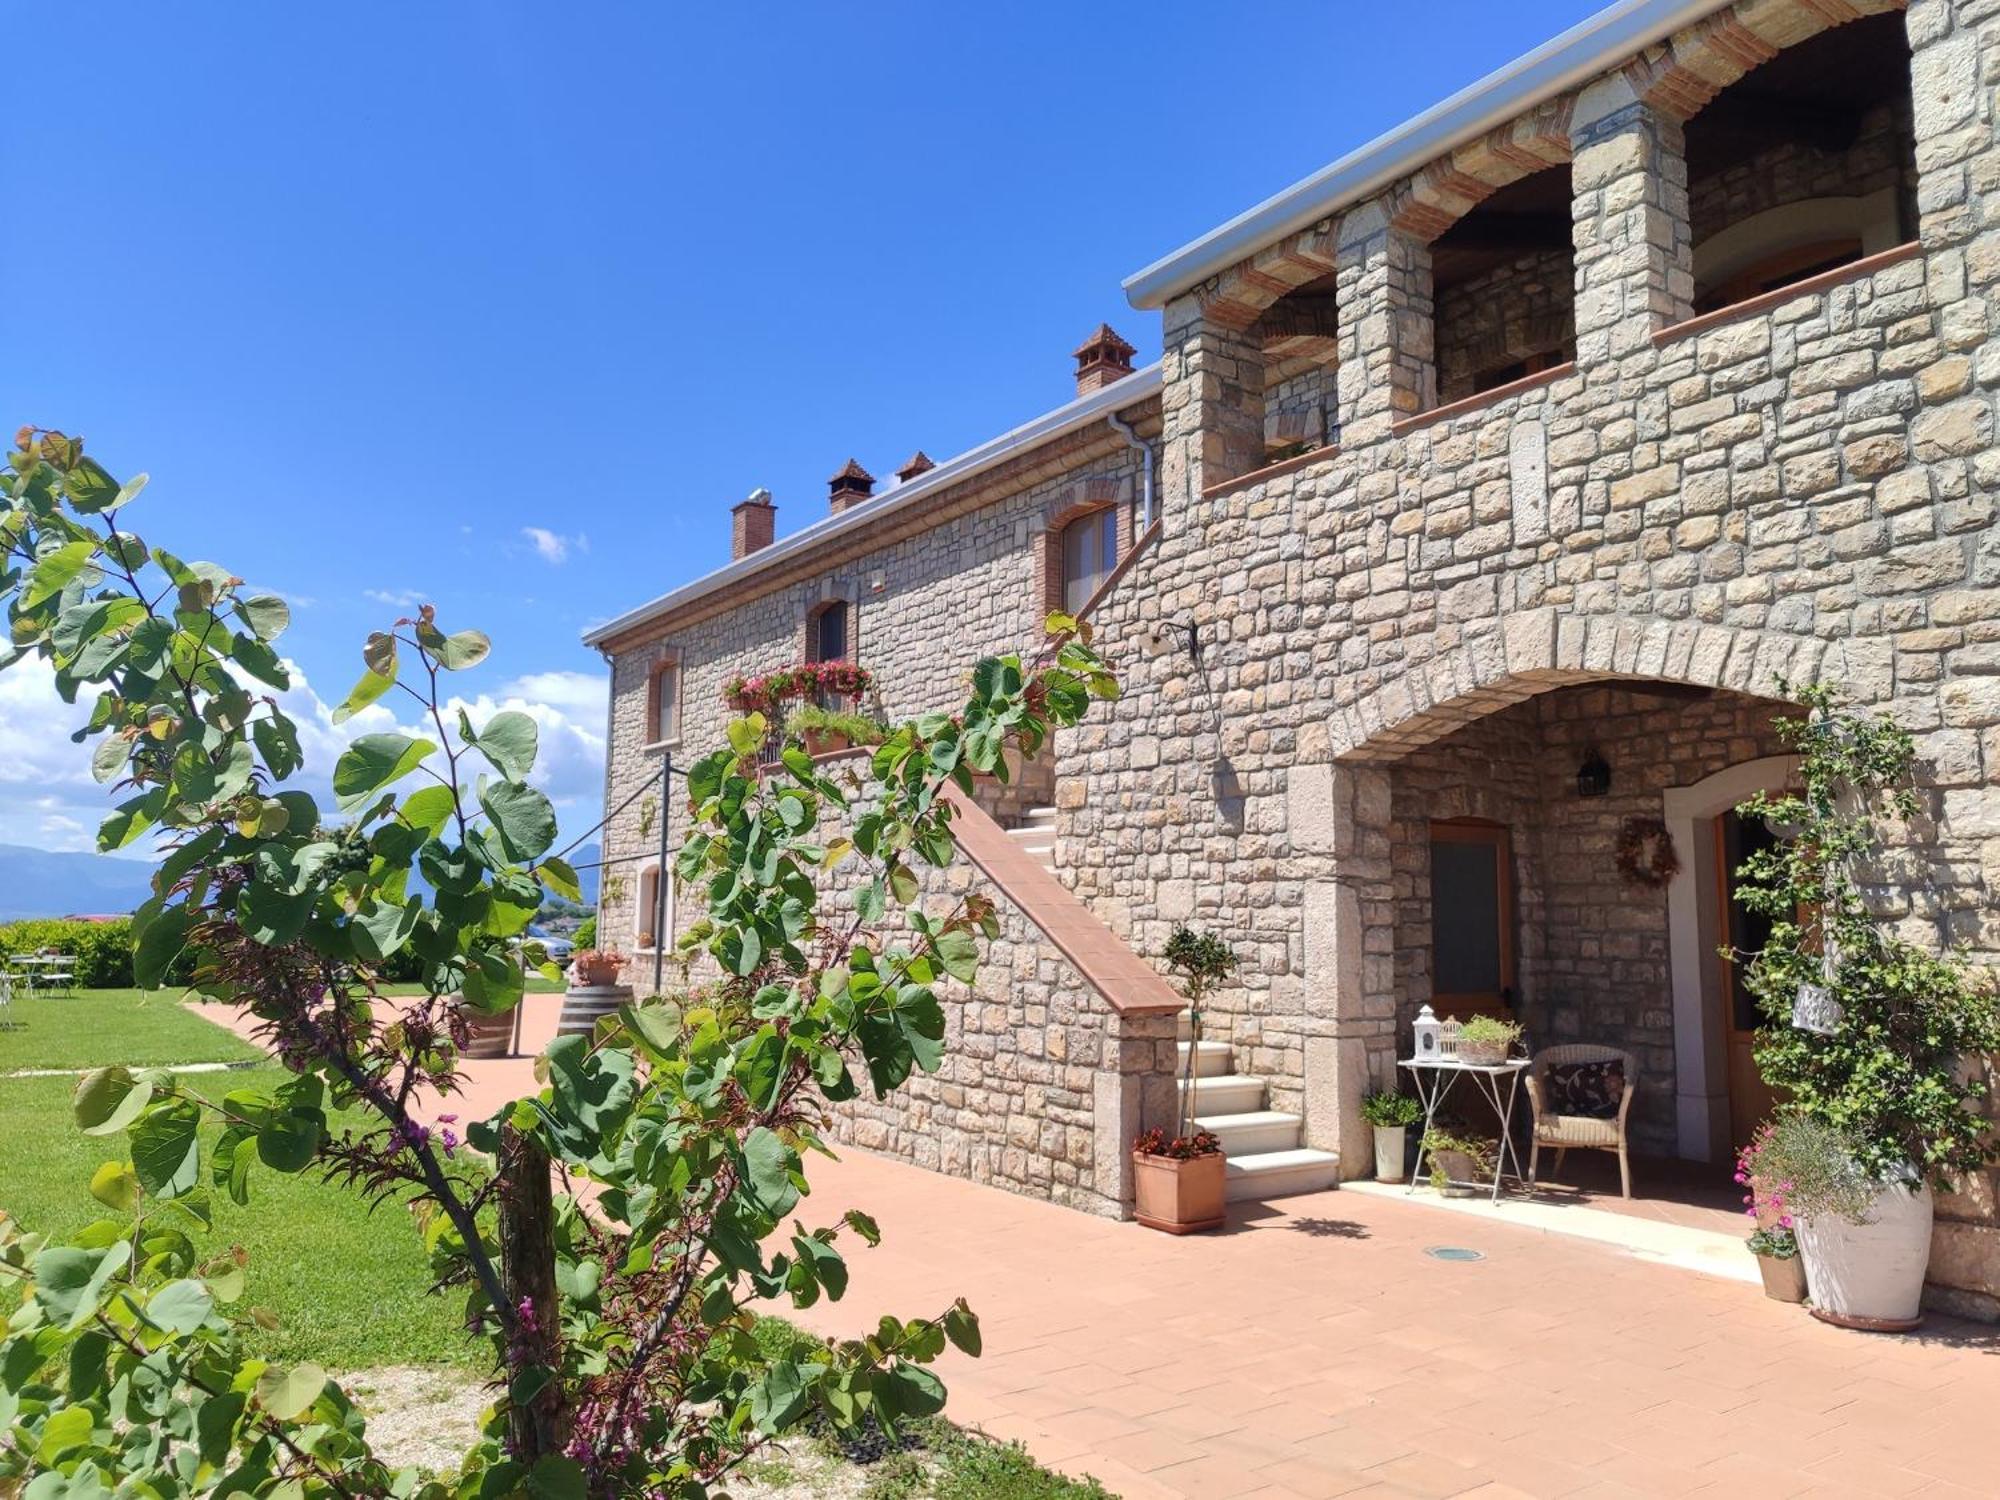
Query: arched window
[[1089, 553], [827, 639]]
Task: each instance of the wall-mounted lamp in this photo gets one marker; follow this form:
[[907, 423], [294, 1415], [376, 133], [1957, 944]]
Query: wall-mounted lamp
[[1593, 777]]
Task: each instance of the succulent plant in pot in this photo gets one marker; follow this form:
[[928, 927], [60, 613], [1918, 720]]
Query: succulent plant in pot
[[1392, 1115]]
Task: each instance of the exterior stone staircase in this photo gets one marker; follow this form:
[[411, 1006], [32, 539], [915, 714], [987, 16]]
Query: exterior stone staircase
[[1266, 1155], [1264, 1147]]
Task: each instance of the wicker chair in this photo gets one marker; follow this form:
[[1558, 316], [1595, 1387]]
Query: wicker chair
[[1584, 1131]]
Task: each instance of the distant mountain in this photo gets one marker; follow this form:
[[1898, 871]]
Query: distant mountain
[[36, 883]]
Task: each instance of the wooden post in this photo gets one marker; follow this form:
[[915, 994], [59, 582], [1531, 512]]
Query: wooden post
[[528, 1271]]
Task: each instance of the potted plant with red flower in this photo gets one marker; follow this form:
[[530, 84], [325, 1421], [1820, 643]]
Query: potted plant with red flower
[[1768, 1202], [1179, 1179]]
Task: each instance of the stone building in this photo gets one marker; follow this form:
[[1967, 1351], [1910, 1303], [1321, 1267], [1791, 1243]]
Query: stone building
[[1552, 430]]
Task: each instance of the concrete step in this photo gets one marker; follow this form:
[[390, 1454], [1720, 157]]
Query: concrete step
[[1279, 1174], [1044, 817], [1253, 1133], [1227, 1094], [1218, 1060]]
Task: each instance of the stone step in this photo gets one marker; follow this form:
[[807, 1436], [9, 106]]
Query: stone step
[[1218, 1060], [1227, 1094], [1253, 1133], [1279, 1174], [1043, 816], [1038, 841]]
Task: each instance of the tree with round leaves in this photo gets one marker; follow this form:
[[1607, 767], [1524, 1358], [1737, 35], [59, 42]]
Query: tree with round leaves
[[610, 1235]]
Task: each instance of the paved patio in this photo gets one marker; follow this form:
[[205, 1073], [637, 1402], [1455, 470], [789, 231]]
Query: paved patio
[[1312, 1349]]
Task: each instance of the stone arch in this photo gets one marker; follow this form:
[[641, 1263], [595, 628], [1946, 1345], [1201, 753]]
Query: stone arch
[[1532, 651], [1681, 75], [1442, 193]]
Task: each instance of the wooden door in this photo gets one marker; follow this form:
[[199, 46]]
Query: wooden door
[[1472, 919], [1745, 931]]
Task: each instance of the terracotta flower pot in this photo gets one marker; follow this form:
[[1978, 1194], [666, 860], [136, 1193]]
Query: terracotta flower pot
[[1461, 1172], [1784, 1277], [601, 970], [824, 741], [1179, 1197]]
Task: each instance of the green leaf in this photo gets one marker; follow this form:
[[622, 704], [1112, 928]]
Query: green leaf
[[428, 808], [559, 877], [378, 653], [522, 816], [916, 1391], [180, 1306], [166, 1149], [509, 741], [373, 762], [69, 1283], [779, 1399], [289, 1142], [383, 928], [158, 942], [270, 914], [278, 742], [68, 1428], [463, 649], [288, 1391], [961, 1326], [115, 1187], [371, 687], [556, 1477], [767, 1171], [109, 1099], [747, 735], [958, 951], [267, 616]]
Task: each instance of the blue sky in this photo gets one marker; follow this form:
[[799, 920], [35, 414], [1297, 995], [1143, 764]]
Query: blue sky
[[505, 305]]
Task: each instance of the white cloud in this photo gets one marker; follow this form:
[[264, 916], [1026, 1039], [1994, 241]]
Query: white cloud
[[553, 546], [394, 598], [48, 799]]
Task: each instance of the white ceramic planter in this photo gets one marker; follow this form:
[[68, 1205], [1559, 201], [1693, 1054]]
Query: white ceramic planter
[[1871, 1275], [1389, 1152]]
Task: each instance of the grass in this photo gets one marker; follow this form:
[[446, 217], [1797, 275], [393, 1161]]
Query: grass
[[348, 1285], [93, 1028]]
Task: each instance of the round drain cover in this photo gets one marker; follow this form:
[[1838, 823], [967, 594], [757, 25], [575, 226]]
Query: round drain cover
[[1452, 1252]]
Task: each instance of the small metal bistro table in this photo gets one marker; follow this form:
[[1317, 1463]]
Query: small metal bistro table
[[1499, 1082]]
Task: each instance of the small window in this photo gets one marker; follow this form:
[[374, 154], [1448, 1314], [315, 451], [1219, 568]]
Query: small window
[[648, 918], [829, 633], [663, 705], [1089, 553]]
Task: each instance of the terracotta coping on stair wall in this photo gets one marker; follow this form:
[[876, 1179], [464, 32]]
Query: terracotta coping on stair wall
[[1129, 985], [1854, 270]]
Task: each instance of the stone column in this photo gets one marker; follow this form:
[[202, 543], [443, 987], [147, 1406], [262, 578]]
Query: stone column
[[1338, 818], [1212, 404], [1388, 365], [1634, 253], [1135, 1091]]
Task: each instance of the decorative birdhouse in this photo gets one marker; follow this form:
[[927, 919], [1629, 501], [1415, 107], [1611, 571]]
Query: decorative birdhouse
[[1425, 1029]]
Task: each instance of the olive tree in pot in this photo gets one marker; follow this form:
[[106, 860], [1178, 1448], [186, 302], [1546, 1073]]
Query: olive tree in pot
[[1392, 1115], [1179, 1180], [1868, 1038]]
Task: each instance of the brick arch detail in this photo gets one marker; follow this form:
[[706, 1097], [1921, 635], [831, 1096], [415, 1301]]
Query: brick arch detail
[[1238, 296], [1535, 651], [1442, 193], [1683, 74]]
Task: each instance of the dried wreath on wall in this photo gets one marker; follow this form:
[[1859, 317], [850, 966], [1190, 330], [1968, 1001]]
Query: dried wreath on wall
[[1639, 866]]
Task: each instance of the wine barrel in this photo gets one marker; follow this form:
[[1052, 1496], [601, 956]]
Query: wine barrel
[[489, 1036], [584, 1004]]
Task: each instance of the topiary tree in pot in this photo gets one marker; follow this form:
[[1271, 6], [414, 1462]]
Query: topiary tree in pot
[[1179, 1180], [1867, 1035]]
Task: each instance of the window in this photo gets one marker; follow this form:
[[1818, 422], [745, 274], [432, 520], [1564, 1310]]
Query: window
[[1089, 553], [828, 638], [648, 918], [663, 705]]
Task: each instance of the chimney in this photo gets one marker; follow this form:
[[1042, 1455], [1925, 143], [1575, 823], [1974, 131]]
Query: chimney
[[1101, 359], [849, 487], [754, 522], [917, 463]]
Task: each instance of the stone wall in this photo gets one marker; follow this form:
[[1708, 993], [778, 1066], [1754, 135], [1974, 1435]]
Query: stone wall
[[1521, 309], [1791, 172]]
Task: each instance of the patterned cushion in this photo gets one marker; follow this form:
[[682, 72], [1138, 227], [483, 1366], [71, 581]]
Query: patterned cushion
[[1590, 1089]]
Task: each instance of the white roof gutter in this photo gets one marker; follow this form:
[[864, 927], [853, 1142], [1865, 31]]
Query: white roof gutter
[[1095, 407], [1586, 50]]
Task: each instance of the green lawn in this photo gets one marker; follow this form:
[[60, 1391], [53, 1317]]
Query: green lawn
[[93, 1028]]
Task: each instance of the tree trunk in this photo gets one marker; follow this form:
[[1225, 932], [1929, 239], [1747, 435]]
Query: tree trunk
[[528, 1271]]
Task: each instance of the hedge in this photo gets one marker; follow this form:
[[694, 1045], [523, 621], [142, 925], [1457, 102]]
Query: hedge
[[102, 950]]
